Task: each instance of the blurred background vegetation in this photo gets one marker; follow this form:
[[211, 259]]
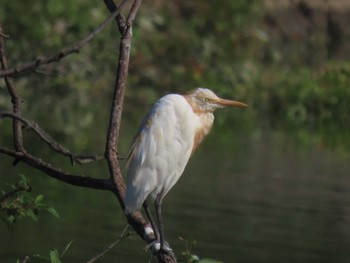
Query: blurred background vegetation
[[287, 59]]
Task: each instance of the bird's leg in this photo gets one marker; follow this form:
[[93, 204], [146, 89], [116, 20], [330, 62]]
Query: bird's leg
[[158, 203], [151, 220], [164, 246]]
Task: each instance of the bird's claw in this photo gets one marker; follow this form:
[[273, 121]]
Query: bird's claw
[[165, 248], [155, 246]]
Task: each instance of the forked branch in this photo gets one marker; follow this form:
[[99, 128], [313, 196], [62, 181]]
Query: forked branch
[[77, 180], [80, 159], [135, 220]]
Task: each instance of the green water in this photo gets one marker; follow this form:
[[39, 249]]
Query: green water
[[243, 198]]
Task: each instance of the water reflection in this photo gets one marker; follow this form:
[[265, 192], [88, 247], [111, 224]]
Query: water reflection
[[241, 199]]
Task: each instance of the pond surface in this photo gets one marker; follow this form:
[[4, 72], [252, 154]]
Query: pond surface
[[243, 198]]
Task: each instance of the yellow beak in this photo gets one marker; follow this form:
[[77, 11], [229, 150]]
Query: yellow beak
[[230, 103]]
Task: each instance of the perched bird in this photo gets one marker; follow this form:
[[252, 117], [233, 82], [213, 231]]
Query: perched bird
[[168, 136]]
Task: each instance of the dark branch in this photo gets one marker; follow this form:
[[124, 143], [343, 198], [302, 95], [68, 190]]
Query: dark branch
[[63, 53], [77, 180], [80, 159], [117, 104], [16, 101], [135, 220], [132, 14], [13, 192], [119, 18]]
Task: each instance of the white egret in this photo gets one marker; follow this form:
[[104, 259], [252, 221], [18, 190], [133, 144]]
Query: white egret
[[168, 136]]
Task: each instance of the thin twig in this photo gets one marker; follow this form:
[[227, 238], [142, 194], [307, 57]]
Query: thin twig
[[80, 159], [46, 73], [109, 247], [13, 192], [63, 53], [4, 35]]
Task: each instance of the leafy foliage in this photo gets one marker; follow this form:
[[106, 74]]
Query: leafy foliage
[[177, 46], [188, 255], [54, 255], [225, 46], [19, 202]]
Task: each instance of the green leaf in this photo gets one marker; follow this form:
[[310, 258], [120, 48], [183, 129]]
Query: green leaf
[[38, 199], [54, 257], [24, 181], [11, 219], [193, 258], [32, 215], [53, 211]]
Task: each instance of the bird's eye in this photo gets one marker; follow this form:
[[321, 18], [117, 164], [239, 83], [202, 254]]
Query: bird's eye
[[206, 99]]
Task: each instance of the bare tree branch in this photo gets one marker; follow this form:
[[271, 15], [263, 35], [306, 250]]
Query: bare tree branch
[[117, 104], [135, 220], [13, 192], [63, 53], [16, 101], [119, 18], [77, 180], [80, 159]]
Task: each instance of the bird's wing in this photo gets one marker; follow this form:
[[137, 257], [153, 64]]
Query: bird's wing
[[160, 150]]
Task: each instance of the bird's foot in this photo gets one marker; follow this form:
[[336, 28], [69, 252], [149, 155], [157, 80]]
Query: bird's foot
[[156, 247]]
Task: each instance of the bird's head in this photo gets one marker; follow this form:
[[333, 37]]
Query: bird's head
[[204, 100]]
